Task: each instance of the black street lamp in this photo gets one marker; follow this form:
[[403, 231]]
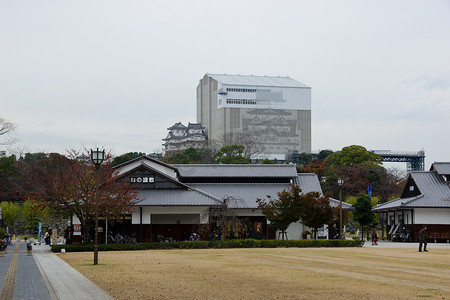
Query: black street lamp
[[340, 183], [97, 158]]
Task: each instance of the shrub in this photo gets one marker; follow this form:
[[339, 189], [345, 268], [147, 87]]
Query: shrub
[[193, 245], [232, 243]]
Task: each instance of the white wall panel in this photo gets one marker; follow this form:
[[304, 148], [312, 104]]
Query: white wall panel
[[432, 216]]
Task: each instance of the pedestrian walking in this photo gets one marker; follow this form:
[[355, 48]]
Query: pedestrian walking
[[423, 239], [334, 232]]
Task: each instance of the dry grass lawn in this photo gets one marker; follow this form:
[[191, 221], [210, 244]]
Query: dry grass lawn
[[292, 273]]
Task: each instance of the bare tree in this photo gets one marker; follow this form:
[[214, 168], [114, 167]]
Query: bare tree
[[251, 143], [6, 130], [223, 223]]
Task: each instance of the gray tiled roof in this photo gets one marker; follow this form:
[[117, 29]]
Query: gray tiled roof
[[250, 80], [175, 197], [434, 193], [245, 195], [177, 125], [345, 205], [442, 168], [246, 170], [309, 182], [195, 125]]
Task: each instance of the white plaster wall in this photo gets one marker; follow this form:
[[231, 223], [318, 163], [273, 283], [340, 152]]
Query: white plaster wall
[[136, 216], [248, 212], [172, 214], [297, 98], [163, 169], [408, 217], [432, 216], [294, 231]]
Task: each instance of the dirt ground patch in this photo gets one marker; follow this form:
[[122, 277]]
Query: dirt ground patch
[[282, 273]]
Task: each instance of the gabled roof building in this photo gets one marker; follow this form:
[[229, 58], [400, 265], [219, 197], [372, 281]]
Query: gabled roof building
[[425, 200], [182, 197]]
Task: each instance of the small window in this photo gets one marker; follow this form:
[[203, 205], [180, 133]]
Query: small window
[[411, 188]]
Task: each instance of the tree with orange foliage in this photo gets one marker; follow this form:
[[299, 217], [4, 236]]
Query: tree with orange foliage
[[72, 186], [316, 166]]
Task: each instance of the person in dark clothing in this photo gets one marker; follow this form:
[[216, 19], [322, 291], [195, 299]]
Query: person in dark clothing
[[423, 239], [334, 232], [68, 235]]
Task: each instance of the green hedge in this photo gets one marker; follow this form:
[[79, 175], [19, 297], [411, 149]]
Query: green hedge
[[247, 243]]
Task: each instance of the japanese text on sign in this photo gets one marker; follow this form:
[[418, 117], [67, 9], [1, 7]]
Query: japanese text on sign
[[142, 179]]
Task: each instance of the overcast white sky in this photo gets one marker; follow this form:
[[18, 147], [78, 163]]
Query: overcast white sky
[[117, 74]]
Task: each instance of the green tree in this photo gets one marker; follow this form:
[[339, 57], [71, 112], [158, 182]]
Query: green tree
[[324, 154], [203, 155], [29, 157], [10, 213], [178, 158], [7, 166], [267, 161], [32, 214], [283, 211], [358, 167], [303, 158], [363, 212], [315, 211], [126, 157], [233, 154], [352, 200], [353, 155], [190, 156]]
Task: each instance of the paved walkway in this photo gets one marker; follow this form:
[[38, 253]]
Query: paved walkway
[[42, 275]]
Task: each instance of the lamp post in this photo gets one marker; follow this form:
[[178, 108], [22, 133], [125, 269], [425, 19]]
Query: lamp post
[[340, 183], [97, 158]]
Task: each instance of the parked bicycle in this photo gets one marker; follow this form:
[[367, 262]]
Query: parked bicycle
[[160, 238], [194, 237], [129, 239], [111, 239], [120, 239]]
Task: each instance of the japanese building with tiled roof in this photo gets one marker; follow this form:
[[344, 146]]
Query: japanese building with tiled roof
[[182, 197], [425, 200]]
